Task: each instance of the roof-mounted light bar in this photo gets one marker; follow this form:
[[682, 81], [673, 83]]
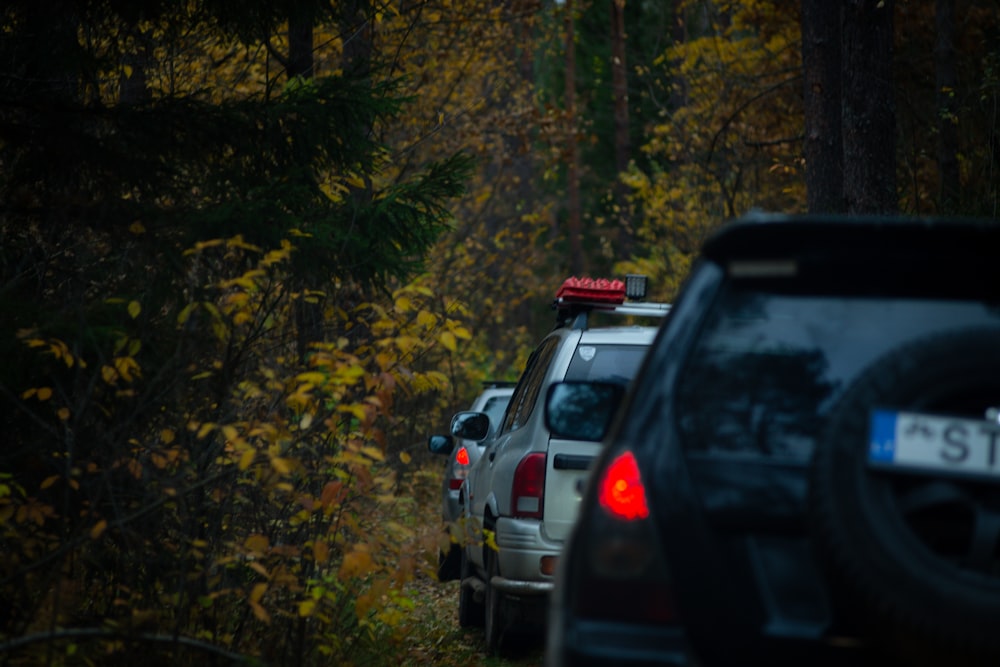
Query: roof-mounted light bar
[[599, 290], [635, 287], [577, 297]]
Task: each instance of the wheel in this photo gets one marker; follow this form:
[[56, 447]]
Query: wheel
[[495, 619], [449, 563], [919, 554], [471, 614]]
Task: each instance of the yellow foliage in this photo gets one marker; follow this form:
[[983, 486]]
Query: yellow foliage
[[357, 562], [256, 543], [321, 551], [98, 529], [281, 465], [447, 338]]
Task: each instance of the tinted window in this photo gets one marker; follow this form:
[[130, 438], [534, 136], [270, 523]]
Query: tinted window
[[528, 387], [608, 363], [495, 407], [767, 367]]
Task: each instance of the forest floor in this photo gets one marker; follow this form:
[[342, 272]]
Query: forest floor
[[434, 637]]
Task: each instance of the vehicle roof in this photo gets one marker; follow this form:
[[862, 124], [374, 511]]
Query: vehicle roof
[[623, 335], [762, 234], [944, 257], [490, 392]]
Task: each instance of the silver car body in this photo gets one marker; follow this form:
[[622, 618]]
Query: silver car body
[[523, 542]]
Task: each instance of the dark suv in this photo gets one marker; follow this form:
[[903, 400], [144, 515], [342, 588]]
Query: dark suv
[[807, 469]]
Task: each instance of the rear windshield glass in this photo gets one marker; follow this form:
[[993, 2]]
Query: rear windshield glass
[[607, 363], [767, 367]]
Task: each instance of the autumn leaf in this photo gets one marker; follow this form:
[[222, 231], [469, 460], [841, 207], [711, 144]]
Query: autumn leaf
[[373, 452], [331, 494], [356, 563], [281, 465], [259, 612], [447, 339], [306, 608], [257, 592], [247, 458], [256, 543]]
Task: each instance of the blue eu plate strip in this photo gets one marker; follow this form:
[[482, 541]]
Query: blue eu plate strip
[[882, 445]]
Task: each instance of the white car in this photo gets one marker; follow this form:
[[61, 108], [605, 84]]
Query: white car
[[524, 491], [461, 454]]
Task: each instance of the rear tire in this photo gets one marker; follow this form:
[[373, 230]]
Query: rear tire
[[471, 614], [449, 563], [918, 553], [495, 617]]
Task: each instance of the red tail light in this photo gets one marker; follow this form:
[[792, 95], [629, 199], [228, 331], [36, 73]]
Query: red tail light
[[460, 469], [529, 487], [620, 490], [617, 570]]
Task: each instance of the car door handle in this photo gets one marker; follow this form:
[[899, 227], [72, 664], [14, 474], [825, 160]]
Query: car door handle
[[492, 455]]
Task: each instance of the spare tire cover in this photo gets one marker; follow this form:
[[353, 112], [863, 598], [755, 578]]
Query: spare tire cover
[[916, 554]]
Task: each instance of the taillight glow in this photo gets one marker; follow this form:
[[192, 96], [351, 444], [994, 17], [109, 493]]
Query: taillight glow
[[529, 486], [621, 492], [462, 456]]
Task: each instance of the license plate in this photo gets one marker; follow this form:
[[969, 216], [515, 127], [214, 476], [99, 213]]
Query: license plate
[[934, 443]]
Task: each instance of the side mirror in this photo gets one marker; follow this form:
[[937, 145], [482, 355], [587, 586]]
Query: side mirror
[[440, 444], [473, 426], [578, 410]]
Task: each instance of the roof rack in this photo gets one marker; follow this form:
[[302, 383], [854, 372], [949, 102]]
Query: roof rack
[[498, 384], [578, 297]]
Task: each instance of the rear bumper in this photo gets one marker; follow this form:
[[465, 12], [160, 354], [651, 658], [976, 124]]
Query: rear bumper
[[521, 550], [589, 643]]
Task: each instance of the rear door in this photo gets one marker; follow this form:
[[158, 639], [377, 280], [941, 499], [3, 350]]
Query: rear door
[[597, 358]]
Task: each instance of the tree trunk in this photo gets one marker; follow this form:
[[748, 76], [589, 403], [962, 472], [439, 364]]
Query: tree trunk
[[308, 314], [823, 148], [619, 84], [300, 46], [947, 82], [869, 114], [133, 87], [577, 261], [357, 36]]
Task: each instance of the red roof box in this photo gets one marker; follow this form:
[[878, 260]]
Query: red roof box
[[599, 290]]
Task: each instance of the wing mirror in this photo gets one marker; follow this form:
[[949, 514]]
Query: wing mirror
[[440, 444], [469, 425]]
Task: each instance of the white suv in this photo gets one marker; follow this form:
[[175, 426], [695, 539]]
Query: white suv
[[525, 489]]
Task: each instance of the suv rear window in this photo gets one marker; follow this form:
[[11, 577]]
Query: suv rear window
[[767, 366], [606, 362]]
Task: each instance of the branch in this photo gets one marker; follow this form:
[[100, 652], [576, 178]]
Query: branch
[[774, 142]]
